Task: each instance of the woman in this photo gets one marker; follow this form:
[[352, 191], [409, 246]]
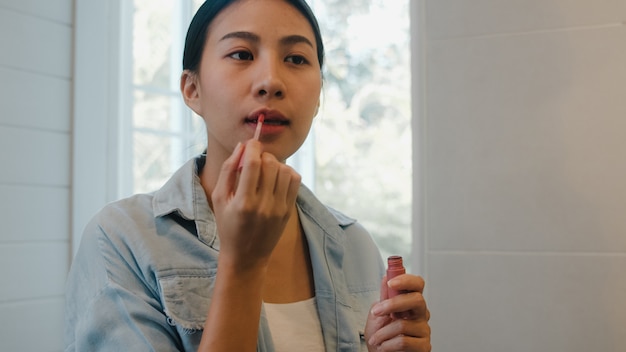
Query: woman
[[233, 254]]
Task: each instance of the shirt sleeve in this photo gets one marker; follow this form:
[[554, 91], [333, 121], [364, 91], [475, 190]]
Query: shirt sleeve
[[111, 304]]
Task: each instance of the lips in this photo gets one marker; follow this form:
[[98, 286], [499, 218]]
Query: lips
[[275, 122], [272, 118]]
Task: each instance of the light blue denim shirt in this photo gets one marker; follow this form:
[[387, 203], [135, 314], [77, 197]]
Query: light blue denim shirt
[[143, 276]]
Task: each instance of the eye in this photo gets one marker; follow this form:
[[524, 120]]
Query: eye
[[241, 55], [297, 60]]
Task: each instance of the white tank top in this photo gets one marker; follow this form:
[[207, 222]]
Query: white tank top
[[295, 326]]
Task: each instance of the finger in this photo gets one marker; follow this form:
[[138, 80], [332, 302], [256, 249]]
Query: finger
[[379, 308], [409, 306], [404, 328], [294, 186], [407, 282], [384, 293], [240, 159], [250, 173], [406, 343], [227, 181], [269, 174], [283, 179], [287, 185]]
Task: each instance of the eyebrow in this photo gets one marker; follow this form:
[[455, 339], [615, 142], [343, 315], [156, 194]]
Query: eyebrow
[[288, 40]]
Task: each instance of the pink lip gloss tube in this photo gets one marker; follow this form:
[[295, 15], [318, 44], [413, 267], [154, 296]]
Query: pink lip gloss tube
[[395, 267]]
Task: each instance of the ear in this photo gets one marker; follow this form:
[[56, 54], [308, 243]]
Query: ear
[[189, 87]]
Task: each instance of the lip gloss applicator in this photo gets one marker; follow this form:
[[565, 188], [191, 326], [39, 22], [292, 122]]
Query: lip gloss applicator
[[257, 135], [259, 125]]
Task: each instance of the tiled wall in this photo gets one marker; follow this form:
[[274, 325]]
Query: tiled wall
[[35, 138], [524, 159]]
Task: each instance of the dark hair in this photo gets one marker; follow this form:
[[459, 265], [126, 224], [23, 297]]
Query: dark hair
[[197, 32]]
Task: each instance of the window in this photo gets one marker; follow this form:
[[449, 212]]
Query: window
[[165, 133], [358, 156], [363, 132]]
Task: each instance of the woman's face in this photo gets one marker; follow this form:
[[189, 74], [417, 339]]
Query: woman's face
[[260, 56]]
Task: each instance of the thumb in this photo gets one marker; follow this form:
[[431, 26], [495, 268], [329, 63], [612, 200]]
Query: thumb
[[383, 289]]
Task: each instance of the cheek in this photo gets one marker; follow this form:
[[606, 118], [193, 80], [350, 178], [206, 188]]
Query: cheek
[[216, 92]]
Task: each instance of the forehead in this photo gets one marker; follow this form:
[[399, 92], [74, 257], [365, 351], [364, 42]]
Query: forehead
[[262, 17]]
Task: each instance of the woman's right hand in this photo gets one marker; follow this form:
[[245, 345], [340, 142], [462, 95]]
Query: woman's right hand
[[252, 204]]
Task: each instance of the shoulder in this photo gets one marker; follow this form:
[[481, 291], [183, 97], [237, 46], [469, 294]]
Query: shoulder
[[110, 230], [127, 212], [103, 255], [113, 229]]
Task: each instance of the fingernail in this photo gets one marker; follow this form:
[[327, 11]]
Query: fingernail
[[377, 309]]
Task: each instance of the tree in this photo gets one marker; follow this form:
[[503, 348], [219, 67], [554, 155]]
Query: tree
[[363, 135]]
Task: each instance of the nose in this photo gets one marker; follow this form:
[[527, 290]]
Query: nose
[[269, 83]]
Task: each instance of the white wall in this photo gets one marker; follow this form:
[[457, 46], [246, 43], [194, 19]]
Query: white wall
[[522, 162], [35, 135]]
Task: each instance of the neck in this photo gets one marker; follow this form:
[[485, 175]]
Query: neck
[[208, 179]]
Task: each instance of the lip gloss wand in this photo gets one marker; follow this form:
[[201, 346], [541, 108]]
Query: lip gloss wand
[[257, 135], [259, 125]]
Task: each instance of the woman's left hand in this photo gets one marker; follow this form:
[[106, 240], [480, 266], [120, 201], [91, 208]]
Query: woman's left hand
[[399, 323]]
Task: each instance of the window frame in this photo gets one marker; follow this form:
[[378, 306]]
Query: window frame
[[99, 102]]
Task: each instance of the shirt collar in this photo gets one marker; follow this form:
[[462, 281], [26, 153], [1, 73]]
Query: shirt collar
[[179, 193], [184, 196]]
